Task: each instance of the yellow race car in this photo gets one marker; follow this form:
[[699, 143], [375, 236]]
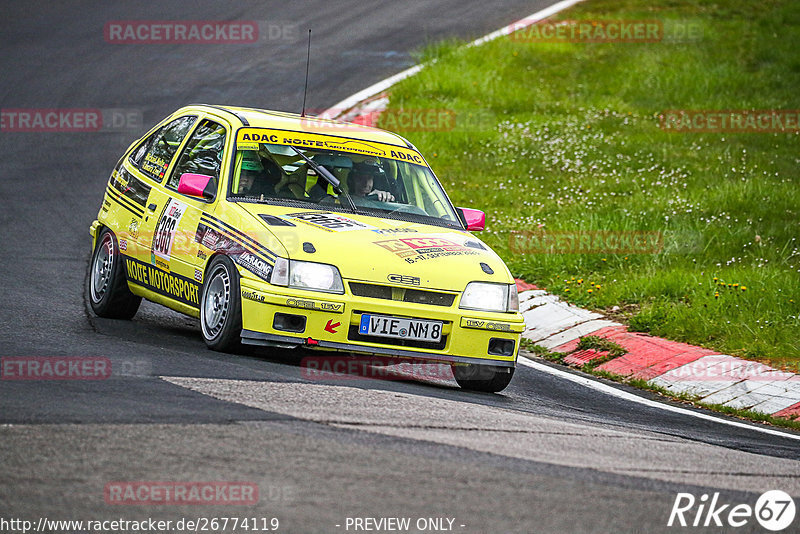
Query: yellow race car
[[281, 230]]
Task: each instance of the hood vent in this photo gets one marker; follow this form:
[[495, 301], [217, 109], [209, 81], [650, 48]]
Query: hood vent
[[275, 221], [474, 244]]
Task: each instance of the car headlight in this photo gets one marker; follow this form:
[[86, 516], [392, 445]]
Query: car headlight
[[307, 275], [484, 296]]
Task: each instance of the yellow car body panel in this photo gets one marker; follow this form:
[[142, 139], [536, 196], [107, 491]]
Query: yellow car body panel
[[389, 267]]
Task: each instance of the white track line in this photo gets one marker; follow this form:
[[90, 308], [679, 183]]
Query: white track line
[[353, 100], [608, 390], [372, 90], [527, 21]]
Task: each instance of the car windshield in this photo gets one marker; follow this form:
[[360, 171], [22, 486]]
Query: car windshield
[[376, 179]]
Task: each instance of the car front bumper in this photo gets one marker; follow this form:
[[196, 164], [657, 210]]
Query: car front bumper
[[277, 316]]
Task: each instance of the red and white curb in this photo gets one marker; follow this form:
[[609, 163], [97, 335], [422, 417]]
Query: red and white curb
[[712, 377]]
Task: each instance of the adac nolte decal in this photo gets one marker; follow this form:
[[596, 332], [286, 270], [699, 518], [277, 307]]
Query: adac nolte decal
[[405, 156], [258, 137], [246, 138], [358, 147]]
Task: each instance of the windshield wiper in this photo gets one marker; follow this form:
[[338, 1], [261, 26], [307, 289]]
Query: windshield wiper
[[330, 178]]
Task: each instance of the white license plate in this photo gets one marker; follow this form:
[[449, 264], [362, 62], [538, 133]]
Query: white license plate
[[400, 328]]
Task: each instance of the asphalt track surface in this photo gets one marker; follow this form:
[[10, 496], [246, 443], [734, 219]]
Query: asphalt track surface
[[545, 455]]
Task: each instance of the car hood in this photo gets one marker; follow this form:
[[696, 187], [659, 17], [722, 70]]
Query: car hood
[[379, 250]]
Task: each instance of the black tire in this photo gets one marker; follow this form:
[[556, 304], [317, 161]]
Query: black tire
[[221, 306], [486, 378], [109, 294]]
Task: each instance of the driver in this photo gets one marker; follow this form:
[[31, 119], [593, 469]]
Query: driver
[[254, 178], [362, 181]]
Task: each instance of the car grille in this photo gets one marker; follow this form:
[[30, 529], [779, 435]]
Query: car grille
[[417, 296]]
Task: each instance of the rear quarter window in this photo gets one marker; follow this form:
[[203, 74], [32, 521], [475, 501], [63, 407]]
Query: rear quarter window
[[203, 153], [154, 154]]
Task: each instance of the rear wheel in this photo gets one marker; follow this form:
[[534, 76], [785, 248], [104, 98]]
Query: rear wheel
[[109, 294], [488, 378], [221, 306]]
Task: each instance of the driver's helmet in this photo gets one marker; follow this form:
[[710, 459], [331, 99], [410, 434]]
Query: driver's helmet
[[253, 178], [252, 162]]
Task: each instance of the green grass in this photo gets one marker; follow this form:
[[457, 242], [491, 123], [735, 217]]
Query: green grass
[[565, 137], [614, 350]]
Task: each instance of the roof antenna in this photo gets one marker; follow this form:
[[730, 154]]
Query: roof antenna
[[308, 60]]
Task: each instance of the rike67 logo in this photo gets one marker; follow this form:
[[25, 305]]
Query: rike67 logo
[[774, 510]]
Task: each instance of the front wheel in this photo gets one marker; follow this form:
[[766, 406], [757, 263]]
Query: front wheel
[[221, 306], [109, 294], [487, 378]]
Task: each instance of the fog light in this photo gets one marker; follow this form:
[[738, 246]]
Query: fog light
[[288, 322], [501, 347]]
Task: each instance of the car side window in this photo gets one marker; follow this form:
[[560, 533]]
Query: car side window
[[203, 153], [155, 153]]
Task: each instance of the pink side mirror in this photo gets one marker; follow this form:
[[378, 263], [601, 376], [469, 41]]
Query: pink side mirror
[[475, 219], [196, 185]]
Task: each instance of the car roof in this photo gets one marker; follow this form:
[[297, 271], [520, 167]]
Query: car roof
[[280, 120]]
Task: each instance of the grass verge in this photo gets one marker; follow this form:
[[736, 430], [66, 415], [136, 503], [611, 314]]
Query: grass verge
[[565, 137]]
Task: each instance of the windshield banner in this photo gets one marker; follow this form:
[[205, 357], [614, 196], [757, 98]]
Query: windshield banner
[[249, 138]]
